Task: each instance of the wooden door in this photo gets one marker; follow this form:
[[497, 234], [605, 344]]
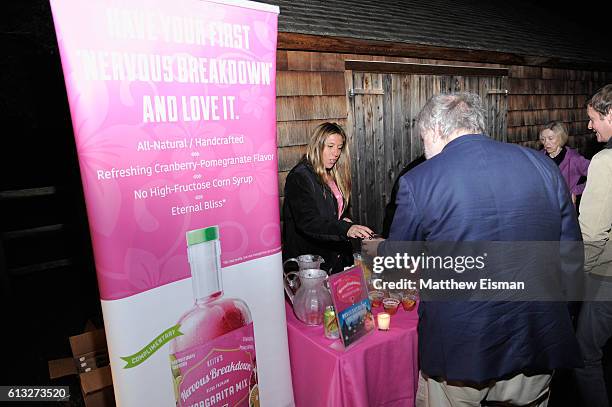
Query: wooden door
[[382, 113]]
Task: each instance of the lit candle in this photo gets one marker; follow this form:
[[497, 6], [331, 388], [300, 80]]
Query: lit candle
[[383, 321]]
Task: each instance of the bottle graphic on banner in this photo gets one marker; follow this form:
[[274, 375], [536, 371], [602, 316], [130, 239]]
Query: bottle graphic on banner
[[214, 360]]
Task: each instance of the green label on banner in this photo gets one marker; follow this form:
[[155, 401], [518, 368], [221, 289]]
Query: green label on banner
[[146, 352]]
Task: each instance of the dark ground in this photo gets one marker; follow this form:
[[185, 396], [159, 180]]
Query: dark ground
[[563, 389]]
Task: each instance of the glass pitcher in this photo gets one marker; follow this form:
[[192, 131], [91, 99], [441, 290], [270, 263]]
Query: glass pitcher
[[310, 296], [306, 261]]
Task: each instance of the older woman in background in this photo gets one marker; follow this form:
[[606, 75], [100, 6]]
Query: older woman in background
[[317, 197], [571, 164]]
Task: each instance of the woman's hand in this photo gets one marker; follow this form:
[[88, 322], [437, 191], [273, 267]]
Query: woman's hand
[[359, 232], [370, 246]]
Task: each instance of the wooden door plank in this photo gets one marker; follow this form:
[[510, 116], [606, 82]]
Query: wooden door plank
[[369, 172], [405, 128], [378, 171], [358, 150], [385, 136], [388, 168], [421, 92]]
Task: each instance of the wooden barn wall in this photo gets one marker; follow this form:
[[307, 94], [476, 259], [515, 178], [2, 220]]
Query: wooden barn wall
[[538, 95], [311, 88]]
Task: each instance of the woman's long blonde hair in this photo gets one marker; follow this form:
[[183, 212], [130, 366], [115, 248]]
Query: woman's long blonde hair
[[341, 171]]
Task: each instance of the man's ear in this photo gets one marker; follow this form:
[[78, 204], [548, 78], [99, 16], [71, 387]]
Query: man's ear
[[608, 117]]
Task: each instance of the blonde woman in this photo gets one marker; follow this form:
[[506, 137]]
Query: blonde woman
[[317, 198], [572, 165]]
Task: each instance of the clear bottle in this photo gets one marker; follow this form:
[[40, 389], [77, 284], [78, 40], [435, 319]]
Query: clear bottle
[[330, 323], [214, 359]]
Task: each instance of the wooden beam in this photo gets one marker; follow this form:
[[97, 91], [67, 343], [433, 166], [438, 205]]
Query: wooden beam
[[38, 267], [422, 69], [345, 45], [18, 234], [27, 193]]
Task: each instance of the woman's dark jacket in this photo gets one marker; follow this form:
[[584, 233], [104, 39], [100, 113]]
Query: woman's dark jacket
[[310, 220]]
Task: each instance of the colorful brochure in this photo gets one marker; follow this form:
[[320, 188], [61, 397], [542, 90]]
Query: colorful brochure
[[353, 309]]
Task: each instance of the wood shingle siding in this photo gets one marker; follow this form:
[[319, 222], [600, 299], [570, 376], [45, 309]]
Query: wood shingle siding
[[308, 83], [551, 86], [298, 132], [289, 156], [545, 73], [312, 87], [534, 102], [290, 108]]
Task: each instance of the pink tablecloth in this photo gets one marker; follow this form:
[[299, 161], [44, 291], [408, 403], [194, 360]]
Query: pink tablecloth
[[379, 370]]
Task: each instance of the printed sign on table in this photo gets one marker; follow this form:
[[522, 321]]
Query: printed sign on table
[[353, 309]]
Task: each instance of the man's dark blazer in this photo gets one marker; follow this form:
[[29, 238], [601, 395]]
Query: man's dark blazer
[[479, 189]]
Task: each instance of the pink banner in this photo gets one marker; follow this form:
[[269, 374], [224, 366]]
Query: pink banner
[[173, 108]]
